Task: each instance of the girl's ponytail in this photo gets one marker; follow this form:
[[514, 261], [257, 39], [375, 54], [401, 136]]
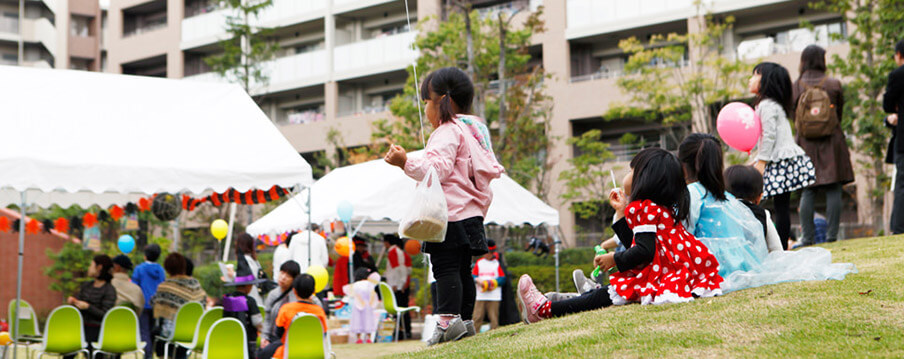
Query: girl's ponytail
[[446, 113], [708, 165], [701, 155]]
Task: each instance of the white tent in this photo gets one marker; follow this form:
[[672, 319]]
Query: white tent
[[74, 137], [380, 191]]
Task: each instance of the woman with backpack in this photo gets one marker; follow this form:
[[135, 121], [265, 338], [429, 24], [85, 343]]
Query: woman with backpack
[[819, 134]]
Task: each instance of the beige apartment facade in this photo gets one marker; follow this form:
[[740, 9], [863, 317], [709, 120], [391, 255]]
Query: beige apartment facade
[[63, 34], [341, 61]]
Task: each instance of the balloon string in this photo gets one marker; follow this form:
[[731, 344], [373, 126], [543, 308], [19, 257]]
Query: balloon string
[[417, 90]]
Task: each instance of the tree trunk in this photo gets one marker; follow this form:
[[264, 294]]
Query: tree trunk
[[502, 84]]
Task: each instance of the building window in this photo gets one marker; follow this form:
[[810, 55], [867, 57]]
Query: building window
[[9, 59], [79, 64], [790, 39], [305, 114], [199, 7], [80, 26], [144, 18], [9, 22]]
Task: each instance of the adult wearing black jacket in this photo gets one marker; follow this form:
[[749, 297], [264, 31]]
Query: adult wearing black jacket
[[893, 103]]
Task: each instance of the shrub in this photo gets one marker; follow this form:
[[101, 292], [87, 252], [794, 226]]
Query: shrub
[[568, 256]]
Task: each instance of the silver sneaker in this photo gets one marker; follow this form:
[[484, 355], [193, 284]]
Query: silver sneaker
[[582, 283], [437, 337], [455, 331], [557, 297], [471, 330]]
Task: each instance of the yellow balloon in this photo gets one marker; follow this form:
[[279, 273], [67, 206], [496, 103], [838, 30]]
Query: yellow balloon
[[219, 228], [321, 277], [4, 338]]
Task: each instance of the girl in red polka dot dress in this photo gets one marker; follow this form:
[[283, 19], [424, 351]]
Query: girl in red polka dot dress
[[665, 263]]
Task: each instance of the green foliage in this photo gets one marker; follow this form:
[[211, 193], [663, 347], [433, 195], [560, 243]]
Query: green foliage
[[544, 277], [523, 141], [247, 47], [586, 181], [674, 78], [876, 27], [69, 268], [209, 276], [567, 256]]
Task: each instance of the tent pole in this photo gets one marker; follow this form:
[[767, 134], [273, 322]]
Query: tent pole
[[557, 242], [15, 319], [229, 233], [351, 254], [310, 227]]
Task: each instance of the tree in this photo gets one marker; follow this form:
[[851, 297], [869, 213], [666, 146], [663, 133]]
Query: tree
[[877, 25], [247, 47], [522, 142], [586, 181], [675, 78]]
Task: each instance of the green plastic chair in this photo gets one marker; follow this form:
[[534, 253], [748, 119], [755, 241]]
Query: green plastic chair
[[27, 322], [64, 333], [305, 339], [119, 334], [186, 322], [392, 308], [226, 340], [263, 318], [28, 326], [207, 320]]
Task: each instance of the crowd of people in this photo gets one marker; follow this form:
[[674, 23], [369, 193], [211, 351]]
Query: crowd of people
[[685, 227]]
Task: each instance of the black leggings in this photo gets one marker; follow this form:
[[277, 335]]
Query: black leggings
[[782, 217], [455, 291], [594, 299]]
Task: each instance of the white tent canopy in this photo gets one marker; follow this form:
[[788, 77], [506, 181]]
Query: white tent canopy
[[77, 137], [379, 191]]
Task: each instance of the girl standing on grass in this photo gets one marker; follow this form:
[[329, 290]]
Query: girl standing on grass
[[785, 166], [664, 264], [451, 151]]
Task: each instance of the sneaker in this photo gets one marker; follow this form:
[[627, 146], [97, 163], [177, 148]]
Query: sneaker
[[438, 334], [582, 283], [531, 299], [558, 297], [469, 325], [455, 331]]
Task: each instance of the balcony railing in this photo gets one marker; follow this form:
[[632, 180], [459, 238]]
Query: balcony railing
[[211, 26], [581, 13], [612, 74], [285, 72], [378, 53]]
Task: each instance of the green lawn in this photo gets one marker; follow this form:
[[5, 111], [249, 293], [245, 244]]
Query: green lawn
[[858, 317]]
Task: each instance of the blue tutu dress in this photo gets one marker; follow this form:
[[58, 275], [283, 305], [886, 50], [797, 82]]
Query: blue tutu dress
[[735, 237]]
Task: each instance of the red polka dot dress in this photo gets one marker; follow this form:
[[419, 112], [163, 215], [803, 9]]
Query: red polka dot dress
[[682, 267]]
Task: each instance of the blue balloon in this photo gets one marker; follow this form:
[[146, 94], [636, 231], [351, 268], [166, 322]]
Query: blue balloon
[[345, 211], [126, 243]]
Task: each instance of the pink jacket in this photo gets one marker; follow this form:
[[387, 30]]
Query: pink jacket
[[465, 182]]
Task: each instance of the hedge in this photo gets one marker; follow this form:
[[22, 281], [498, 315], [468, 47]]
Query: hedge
[[568, 256]]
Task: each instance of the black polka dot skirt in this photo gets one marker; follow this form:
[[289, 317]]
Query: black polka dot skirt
[[788, 175]]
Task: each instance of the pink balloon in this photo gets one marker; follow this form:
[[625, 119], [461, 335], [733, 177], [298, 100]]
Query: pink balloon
[[739, 126]]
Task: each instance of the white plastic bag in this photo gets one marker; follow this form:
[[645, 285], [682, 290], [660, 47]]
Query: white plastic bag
[[427, 216]]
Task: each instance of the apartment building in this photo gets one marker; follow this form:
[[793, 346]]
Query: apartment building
[[341, 61], [63, 34]]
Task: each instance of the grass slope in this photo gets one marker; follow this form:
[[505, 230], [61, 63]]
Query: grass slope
[[860, 316]]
